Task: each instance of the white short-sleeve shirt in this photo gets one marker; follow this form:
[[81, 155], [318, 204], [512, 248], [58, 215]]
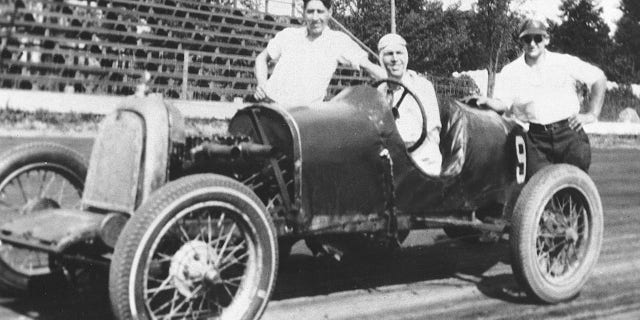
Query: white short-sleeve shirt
[[427, 156], [304, 67], [546, 92]]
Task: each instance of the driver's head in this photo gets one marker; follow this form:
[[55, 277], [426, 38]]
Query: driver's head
[[392, 49]]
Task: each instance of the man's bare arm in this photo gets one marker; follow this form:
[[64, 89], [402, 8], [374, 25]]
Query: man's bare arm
[[596, 100], [261, 70], [376, 71], [496, 105]]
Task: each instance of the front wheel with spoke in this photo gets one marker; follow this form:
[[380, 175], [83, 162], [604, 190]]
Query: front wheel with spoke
[[556, 233], [34, 177], [201, 247]]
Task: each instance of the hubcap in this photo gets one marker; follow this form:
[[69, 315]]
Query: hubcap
[[571, 235], [192, 265]]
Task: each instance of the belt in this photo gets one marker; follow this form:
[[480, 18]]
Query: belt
[[549, 127]]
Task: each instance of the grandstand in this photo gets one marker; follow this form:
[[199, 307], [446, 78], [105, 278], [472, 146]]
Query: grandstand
[[183, 49]]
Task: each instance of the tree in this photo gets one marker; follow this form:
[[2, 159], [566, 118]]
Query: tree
[[583, 32], [436, 38], [627, 38], [492, 32], [368, 20]]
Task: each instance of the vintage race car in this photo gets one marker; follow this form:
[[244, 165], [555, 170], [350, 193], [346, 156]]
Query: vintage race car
[[194, 226]]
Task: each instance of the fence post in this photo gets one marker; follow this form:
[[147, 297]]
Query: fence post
[[185, 74]]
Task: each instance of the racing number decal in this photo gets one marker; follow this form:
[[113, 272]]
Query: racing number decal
[[521, 156]]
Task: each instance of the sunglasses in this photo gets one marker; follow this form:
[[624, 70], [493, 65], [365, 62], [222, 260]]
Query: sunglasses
[[527, 39]]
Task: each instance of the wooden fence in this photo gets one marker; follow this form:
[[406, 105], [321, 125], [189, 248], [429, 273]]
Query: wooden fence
[[191, 49]]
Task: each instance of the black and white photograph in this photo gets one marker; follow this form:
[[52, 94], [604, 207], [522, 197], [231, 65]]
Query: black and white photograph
[[319, 159]]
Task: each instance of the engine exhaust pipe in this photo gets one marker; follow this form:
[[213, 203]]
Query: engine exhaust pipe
[[243, 150]]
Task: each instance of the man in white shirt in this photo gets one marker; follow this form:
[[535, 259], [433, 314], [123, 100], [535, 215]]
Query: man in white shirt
[[307, 59], [394, 57], [540, 88]]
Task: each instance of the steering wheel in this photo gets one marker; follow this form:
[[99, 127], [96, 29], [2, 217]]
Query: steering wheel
[[394, 109]]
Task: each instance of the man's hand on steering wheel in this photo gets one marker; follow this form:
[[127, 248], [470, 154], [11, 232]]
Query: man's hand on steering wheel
[[396, 107]]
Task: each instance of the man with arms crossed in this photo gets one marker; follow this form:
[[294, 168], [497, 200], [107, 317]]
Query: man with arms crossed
[[539, 88], [307, 59], [394, 57]]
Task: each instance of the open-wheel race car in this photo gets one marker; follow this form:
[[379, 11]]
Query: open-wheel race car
[[193, 226]]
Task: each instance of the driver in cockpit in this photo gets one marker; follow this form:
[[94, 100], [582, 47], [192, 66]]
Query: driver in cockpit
[[392, 49]]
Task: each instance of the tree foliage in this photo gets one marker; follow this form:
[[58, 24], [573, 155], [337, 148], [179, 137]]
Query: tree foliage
[[492, 31], [582, 32], [627, 38], [442, 40], [368, 20], [437, 38]]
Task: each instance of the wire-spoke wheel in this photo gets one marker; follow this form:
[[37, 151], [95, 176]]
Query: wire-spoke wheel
[[34, 177], [556, 233], [202, 247]]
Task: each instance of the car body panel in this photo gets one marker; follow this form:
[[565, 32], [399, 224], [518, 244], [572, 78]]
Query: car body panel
[[130, 155], [114, 170], [344, 177], [478, 164]]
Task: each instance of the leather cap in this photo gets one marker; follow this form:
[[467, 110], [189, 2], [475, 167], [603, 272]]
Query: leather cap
[[389, 40]]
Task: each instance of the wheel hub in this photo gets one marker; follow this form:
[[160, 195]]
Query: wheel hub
[[193, 264], [571, 234]]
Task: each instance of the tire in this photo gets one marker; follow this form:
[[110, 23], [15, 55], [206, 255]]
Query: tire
[[157, 264], [33, 177], [556, 233]]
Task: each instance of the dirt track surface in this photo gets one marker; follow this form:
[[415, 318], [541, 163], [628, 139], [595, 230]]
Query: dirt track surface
[[431, 277]]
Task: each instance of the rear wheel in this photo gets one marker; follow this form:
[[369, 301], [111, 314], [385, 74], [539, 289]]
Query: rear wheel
[[200, 247], [34, 177], [556, 233]]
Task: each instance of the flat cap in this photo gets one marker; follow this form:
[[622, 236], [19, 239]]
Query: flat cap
[[533, 26]]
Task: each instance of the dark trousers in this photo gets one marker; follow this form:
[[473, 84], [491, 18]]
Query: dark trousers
[[556, 143]]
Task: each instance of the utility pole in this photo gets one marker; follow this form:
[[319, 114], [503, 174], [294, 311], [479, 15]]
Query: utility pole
[[393, 16]]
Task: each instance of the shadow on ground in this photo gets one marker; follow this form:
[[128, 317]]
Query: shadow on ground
[[52, 298], [303, 275]]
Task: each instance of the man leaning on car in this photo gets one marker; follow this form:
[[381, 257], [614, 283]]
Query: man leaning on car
[[306, 58], [539, 88]]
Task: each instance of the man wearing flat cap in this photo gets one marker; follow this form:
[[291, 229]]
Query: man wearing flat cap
[[539, 88], [392, 49], [306, 59]]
